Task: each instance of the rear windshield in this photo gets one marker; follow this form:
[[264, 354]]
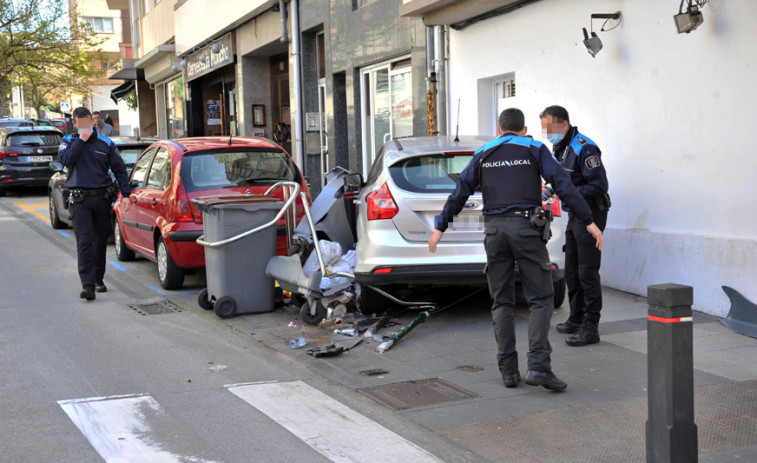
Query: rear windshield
[[434, 173], [129, 155], [205, 171], [34, 139]]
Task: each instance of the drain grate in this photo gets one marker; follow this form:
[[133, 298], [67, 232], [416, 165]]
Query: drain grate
[[155, 307], [413, 394]]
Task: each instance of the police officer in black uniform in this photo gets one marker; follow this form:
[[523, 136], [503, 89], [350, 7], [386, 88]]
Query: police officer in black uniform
[[581, 158], [508, 170], [88, 156]]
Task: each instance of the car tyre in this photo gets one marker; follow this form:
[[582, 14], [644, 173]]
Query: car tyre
[[2, 192], [372, 302], [55, 220], [225, 307], [171, 276], [203, 301], [123, 253], [559, 292], [310, 319]]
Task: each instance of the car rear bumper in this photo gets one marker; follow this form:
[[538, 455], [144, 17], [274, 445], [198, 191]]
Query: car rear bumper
[[453, 274]]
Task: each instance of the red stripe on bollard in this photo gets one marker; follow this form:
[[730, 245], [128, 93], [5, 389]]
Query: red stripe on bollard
[[669, 320]]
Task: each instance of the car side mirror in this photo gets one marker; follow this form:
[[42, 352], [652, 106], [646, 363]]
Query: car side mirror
[[134, 184], [56, 166], [354, 180]]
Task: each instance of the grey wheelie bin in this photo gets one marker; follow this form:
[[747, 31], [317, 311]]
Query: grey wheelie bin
[[235, 271]]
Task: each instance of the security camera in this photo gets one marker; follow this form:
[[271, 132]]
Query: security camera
[[689, 20], [593, 44]]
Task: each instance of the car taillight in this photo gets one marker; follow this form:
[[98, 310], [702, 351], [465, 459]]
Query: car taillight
[[381, 204], [183, 211], [4, 153], [383, 270]]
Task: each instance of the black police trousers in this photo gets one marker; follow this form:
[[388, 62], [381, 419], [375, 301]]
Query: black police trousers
[[582, 261], [91, 219], [507, 240]]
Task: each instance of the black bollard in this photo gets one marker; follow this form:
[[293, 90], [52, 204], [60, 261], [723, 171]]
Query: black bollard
[[671, 432]]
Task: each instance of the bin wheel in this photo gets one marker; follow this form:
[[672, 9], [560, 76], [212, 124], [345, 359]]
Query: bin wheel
[[310, 319], [202, 300], [225, 307]]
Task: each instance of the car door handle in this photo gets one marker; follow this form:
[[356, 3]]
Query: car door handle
[[153, 202]]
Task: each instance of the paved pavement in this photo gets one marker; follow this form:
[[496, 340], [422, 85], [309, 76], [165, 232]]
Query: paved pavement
[[444, 377]]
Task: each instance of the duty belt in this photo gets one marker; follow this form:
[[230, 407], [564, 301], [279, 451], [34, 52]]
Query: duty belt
[[516, 213], [89, 191]]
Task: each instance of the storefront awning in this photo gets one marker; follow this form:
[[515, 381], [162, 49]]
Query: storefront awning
[[128, 72], [122, 91]]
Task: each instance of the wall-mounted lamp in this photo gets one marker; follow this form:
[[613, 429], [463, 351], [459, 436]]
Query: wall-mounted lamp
[[202, 56], [592, 42], [690, 19], [183, 63], [215, 48]]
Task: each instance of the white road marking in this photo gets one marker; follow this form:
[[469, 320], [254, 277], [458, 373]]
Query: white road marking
[[119, 428], [331, 428]]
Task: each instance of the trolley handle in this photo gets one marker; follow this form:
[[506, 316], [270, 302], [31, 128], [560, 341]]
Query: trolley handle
[[292, 197]]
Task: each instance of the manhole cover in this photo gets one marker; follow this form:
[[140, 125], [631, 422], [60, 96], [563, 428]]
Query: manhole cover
[[413, 394], [155, 307]]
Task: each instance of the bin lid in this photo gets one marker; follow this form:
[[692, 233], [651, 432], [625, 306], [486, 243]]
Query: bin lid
[[234, 199]]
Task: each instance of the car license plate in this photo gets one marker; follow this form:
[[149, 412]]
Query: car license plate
[[39, 158]]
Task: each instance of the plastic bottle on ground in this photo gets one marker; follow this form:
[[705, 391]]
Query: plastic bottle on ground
[[297, 343]]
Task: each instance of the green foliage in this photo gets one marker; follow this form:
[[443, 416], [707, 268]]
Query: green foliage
[[131, 101], [44, 52]]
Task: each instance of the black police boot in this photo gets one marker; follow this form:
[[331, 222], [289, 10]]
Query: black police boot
[[101, 288], [88, 293], [511, 379], [547, 379], [568, 327], [589, 334]]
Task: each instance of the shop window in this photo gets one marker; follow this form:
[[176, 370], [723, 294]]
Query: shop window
[[175, 108]]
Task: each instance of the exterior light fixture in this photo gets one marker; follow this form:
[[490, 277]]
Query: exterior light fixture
[[202, 56], [215, 48], [592, 42], [690, 19], [183, 63]]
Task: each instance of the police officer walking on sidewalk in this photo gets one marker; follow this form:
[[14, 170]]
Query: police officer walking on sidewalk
[[581, 158], [88, 156], [508, 171]]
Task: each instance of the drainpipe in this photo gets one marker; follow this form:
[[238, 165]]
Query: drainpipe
[[297, 81], [283, 10], [431, 98], [440, 62]]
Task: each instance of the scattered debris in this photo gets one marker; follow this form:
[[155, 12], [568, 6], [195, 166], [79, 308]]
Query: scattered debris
[[374, 372], [334, 348]]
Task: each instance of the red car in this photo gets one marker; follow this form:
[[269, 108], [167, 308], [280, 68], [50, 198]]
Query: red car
[[159, 220]]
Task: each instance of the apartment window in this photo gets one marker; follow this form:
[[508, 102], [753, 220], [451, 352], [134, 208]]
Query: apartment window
[[358, 3], [104, 25]]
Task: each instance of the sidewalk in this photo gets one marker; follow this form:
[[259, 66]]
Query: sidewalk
[[600, 418]]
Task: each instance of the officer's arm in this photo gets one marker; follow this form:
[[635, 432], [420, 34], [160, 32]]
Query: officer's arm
[[466, 184], [560, 180], [119, 170], [70, 151], [592, 169]]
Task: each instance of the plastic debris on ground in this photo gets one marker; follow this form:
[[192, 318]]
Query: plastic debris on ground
[[298, 343]]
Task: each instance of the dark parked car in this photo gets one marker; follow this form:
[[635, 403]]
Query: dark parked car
[[129, 148], [26, 154], [16, 122], [159, 220]]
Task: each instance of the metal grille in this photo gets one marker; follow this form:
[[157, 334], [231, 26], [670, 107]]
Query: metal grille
[[155, 307], [413, 394], [612, 432]]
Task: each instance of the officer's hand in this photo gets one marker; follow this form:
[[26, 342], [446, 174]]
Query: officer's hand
[[597, 234], [126, 201], [433, 240]]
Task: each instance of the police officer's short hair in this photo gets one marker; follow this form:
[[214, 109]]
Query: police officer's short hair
[[558, 114], [81, 112], [96, 112], [512, 120]]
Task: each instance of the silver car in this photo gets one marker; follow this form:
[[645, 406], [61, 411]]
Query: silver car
[[405, 190]]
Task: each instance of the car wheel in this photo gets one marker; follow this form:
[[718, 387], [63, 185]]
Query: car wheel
[[312, 319], [202, 300], [372, 302], [123, 253], [225, 307], [2, 192], [559, 292], [171, 276], [55, 220]]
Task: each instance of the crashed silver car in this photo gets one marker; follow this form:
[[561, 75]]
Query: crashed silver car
[[396, 208]]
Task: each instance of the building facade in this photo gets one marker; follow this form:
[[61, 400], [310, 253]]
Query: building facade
[[653, 100]]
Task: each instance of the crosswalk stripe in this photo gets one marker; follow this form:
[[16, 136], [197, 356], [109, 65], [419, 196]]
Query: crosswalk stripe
[[121, 428], [328, 426]]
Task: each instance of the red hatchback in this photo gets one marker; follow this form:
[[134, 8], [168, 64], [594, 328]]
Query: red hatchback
[[159, 220]]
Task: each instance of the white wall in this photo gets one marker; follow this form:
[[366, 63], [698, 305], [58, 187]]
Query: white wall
[[673, 115]]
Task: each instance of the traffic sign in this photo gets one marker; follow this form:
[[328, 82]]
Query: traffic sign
[[65, 107]]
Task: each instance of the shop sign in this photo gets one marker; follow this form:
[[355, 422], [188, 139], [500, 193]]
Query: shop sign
[[206, 60]]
